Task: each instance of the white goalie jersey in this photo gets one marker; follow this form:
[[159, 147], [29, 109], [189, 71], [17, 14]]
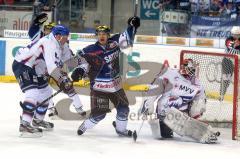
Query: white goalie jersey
[[173, 90]]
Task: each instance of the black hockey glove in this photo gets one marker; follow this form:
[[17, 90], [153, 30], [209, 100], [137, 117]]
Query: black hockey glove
[[77, 74], [65, 84], [134, 21], [41, 18]]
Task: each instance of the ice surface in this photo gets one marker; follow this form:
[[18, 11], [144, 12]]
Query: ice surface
[[100, 142]]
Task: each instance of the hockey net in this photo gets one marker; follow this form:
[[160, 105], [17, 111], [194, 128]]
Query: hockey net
[[219, 75]]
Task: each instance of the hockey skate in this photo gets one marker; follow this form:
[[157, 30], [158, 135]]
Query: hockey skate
[[210, 138], [28, 131], [53, 112], [81, 129], [80, 111], [126, 133], [48, 126]]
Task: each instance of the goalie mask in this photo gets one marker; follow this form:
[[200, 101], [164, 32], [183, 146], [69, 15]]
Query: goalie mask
[[188, 68]]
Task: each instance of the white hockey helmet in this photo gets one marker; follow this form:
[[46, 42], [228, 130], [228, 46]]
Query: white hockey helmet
[[188, 67], [235, 30]]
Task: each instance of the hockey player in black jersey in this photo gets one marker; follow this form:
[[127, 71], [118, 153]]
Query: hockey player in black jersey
[[103, 69]]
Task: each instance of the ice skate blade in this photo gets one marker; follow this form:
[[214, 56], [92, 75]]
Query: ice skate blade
[[30, 135]]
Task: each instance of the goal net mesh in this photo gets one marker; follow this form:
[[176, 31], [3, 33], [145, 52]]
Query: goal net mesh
[[218, 73]]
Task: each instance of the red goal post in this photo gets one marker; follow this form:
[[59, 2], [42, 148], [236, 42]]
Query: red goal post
[[212, 65]]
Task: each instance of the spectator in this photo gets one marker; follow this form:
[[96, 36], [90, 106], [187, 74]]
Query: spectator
[[204, 6], [215, 6], [237, 3], [232, 10], [167, 4], [194, 6], [184, 5]]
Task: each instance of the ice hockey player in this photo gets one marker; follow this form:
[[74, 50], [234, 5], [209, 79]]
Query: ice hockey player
[[232, 47], [180, 101], [54, 50], [37, 30], [104, 72]]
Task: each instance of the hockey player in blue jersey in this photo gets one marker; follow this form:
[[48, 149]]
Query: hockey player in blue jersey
[[103, 69]]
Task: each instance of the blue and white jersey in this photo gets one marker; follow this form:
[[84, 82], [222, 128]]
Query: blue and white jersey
[[103, 61], [48, 49]]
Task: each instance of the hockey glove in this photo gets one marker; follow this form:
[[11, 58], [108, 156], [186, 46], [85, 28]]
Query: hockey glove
[[41, 18], [134, 21], [66, 85], [77, 74]]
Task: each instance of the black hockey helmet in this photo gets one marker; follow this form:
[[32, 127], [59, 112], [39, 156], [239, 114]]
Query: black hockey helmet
[[103, 28], [49, 26]]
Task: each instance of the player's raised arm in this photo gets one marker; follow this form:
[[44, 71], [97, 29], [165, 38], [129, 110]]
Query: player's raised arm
[[34, 31], [126, 38]]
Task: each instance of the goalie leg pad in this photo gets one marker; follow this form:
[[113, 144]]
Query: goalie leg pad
[[184, 125], [154, 125]]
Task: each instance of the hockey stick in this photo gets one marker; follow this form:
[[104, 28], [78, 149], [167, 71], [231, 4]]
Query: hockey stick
[[50, 97], [136, 133], [135, 14], [44, 101]]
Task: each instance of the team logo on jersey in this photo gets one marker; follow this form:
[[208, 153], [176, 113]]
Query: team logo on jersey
[[111, 57], [186, 89]]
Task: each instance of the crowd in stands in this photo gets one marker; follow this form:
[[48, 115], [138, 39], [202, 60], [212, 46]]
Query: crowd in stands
[[227, 8], [230, 8], [45, 4]]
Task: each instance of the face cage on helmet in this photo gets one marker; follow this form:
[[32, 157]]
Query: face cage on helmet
[[190, 71]]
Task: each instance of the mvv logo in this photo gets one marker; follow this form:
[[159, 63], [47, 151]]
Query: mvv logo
[[186, 89]]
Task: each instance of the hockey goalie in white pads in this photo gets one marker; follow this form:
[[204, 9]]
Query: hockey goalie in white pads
[[180, 101]]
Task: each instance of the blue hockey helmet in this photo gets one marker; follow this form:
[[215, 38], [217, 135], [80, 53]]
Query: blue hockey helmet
[[60, 30]]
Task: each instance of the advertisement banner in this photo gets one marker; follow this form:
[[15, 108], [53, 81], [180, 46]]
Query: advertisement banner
[[82, 37], [205, 42], [146, 39], [16, 20], [212, 27], [2, 56], [175, 41], [12, 45], [22, 34]]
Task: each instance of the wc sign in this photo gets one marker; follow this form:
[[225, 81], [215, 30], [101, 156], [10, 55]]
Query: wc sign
[[149, 9]]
